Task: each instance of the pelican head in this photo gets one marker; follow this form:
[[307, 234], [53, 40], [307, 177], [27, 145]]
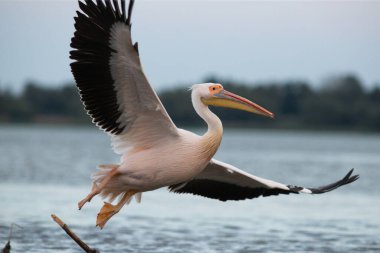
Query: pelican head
[[214, 94]]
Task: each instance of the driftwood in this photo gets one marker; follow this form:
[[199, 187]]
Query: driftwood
[[7, 247], [73, 236]]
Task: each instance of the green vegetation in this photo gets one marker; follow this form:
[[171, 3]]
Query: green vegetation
[[341, 103]]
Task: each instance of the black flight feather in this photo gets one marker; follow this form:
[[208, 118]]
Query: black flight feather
[[346, 180], [91, 54], [227, 191], [224, 191]]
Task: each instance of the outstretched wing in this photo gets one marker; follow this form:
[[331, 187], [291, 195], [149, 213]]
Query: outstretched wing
[[225, 182], [109, 75]]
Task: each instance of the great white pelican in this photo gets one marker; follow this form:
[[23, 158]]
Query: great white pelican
[[154, 152]]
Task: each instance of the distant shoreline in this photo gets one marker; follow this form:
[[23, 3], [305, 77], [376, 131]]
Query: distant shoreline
[[340, 104]]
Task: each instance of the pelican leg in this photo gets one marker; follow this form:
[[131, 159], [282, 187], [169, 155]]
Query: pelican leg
[[108, 210], [88, 198], [96, 189]]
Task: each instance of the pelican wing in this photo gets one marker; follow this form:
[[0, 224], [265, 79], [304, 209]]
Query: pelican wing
[[110, 78], [225, 182]]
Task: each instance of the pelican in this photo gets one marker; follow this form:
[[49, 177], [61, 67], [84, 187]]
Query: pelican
[[154, 153]]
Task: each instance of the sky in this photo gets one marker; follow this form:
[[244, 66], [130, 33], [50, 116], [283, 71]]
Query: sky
[[184, 41]]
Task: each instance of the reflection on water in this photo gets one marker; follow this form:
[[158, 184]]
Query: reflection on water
[[46, 170]]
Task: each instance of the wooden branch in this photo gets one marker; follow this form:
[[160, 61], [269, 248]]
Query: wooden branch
[[73, 236], [7, 248]]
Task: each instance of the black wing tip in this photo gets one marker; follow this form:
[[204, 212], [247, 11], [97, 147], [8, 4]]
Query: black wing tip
[[90, 56], [104, 5], [347, 179], [84, 3], [130, 9]]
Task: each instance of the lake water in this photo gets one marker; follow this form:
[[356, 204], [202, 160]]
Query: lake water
[[45, 170]]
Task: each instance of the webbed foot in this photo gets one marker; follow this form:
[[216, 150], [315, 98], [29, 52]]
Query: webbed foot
[[108, 210]]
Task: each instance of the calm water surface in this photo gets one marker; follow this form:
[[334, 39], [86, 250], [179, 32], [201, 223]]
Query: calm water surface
[[45, 170]]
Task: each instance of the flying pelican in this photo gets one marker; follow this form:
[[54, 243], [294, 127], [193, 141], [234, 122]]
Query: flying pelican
[[154, 152]]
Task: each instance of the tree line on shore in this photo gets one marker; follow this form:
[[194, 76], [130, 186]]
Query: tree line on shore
[[340, 103]]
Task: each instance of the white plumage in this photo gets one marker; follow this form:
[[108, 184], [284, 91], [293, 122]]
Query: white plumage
[[154, 152]]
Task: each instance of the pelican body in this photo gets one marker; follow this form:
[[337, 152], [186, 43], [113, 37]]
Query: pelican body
[[183, 155], [174, 161], [154, 152]]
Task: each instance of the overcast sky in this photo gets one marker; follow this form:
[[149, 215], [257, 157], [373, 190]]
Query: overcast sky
[[184, 41]]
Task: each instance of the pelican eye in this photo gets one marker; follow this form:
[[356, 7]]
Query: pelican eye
[[215, 89]]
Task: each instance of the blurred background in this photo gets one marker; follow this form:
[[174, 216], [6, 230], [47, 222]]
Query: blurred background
[[315, 64]]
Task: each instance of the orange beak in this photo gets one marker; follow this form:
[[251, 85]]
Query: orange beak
[[230, 100]]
